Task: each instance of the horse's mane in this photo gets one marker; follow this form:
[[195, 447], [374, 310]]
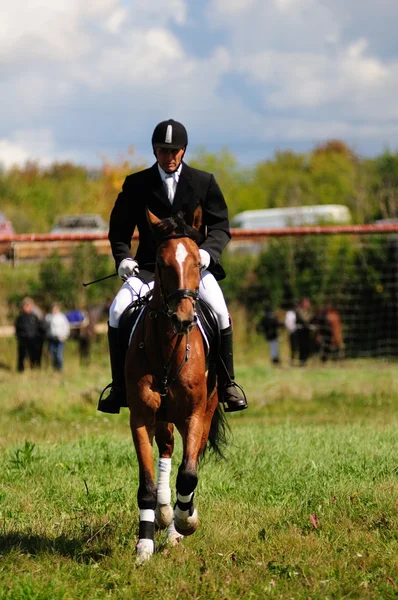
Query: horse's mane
[[175, 227]]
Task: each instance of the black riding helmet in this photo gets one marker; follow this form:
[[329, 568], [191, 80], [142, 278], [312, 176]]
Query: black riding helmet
[[170, 134]]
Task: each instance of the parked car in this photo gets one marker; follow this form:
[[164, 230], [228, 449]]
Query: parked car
[[6, 228], [80, 224]]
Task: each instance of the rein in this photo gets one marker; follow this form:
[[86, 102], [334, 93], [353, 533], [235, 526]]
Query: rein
[[166, 383], [178, 295]]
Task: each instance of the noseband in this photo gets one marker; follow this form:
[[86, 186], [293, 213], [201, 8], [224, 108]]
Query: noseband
[[178, 295]]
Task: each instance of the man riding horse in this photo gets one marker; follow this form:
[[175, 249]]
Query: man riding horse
[[168, 188]]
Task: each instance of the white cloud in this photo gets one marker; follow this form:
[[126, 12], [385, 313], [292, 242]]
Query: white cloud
[[116, 20], [232, 7], [62, 30], [101, 73], [310, 80], [287, 6], [143, 58], [295, 56], [25, 145], [296, 130]]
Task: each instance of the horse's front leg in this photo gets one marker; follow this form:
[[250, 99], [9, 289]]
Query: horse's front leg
[[164, 436], [186, 519], [146, 495]]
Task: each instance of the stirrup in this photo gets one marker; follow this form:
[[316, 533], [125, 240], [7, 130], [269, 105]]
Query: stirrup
[[235, 407], [105, 406], [104, 390]]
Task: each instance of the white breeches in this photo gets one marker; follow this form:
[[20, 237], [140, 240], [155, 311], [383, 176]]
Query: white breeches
[[134, 288]]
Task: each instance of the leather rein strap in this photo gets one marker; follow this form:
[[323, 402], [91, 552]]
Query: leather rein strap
[[178, 295]]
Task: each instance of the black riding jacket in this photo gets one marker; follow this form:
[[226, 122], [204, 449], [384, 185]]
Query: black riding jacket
[[145, 190]]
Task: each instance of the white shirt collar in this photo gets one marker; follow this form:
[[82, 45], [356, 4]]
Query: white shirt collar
[[164, 175]]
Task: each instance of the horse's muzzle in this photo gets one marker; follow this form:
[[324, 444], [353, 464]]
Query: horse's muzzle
[[183, 324]]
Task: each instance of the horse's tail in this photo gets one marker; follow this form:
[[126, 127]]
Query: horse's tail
[[219, 433]]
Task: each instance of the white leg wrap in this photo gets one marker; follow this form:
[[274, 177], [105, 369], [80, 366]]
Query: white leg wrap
[[147, 514], [163, 482], [173, 537], [182, 514], [145, 549]]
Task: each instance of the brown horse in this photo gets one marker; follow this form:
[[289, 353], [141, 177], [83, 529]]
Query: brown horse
[[167, 384]]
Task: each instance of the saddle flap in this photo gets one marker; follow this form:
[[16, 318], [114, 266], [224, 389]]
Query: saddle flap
[[127, 324], [209, 324]]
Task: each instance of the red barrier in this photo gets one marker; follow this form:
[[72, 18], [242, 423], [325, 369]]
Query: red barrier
[[241, 234]]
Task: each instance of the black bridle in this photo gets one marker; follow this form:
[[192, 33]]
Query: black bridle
[[167, 310], [180, 293]]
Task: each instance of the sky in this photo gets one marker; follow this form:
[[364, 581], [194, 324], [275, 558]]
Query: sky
[[84, 80]]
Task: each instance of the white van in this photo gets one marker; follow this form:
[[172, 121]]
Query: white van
[[292, 216], [280, 218]]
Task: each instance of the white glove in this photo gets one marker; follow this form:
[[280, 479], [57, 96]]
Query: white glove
[[127, 268], [204, 259]]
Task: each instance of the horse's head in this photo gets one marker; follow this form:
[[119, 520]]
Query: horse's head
[[178, 267]]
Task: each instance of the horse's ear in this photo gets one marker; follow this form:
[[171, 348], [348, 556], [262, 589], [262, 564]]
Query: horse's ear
[[152, 219], [197, 218]]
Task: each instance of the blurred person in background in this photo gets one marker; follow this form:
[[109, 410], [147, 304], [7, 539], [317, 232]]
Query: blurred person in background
[[291, 326], [41, 337], [57, 332], [305, 330], [82, 331], [28, 331], [268, 326]]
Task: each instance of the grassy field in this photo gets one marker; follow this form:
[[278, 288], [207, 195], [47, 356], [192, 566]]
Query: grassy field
[[305, 506]]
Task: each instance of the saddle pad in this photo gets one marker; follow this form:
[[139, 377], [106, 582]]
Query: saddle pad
[[207, 323], [200, 325]]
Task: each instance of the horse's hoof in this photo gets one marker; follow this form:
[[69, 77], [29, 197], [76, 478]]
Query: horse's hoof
[[164, 515], [145, 550], [173, 537], [187, 526]]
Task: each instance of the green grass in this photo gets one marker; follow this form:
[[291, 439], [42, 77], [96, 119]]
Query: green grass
[[305, 506]]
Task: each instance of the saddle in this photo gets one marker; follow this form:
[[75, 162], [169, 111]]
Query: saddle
[[207, 323]]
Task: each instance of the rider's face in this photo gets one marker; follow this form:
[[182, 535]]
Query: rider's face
[[169, 159]]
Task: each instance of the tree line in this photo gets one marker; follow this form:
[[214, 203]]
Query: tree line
[[355, 275], [32, 196]]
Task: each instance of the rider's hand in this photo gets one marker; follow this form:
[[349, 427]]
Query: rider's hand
[[204, 259], [127, 268]]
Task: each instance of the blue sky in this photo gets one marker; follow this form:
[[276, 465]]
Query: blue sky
[[85, 80]]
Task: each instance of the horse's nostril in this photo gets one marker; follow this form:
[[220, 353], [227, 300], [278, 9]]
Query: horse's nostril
[[174, 319], [182, 325]]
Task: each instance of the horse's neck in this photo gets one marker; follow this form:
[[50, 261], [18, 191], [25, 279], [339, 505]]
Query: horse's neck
[[156, 302]]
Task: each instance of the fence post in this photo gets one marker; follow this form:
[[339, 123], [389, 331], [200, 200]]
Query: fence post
[[14, 254]]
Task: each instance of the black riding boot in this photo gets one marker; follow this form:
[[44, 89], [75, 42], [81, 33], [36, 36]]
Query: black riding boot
[[230, 393], [117, 396]]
